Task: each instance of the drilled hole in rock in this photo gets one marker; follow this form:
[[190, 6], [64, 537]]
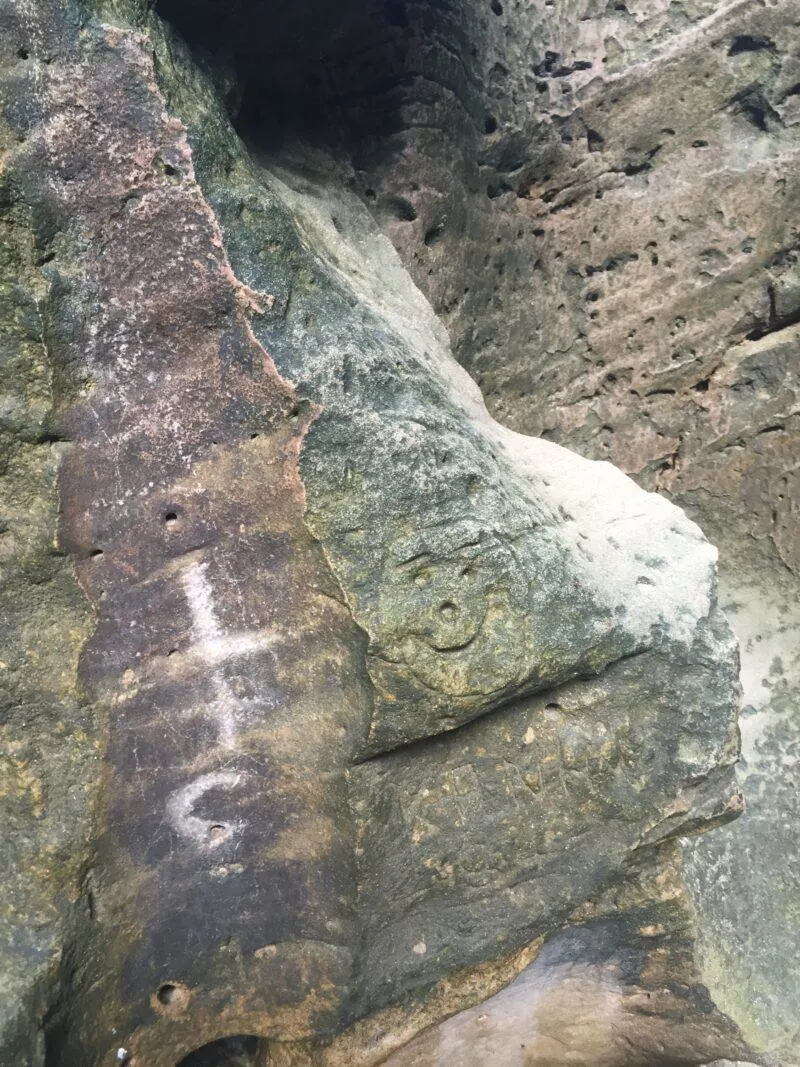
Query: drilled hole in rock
[[235, 1051], [497, 7], [96, 553], [489, 124], [23, 53], [170, 518], [167, 993]]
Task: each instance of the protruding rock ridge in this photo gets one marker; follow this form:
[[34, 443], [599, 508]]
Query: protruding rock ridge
[[602, 205], [390, 694], [482, 564]]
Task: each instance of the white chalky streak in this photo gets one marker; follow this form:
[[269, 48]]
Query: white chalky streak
[[212, 647], [201, 603], [223, 710], [182, 801]]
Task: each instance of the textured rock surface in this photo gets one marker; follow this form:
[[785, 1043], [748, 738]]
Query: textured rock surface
[[48, 756], [389, 696], [601, 202]]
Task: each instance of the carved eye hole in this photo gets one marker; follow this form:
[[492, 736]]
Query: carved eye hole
[[448, 610], [421, 577]]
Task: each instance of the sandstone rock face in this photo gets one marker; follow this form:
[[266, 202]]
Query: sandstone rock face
[[601, 202], [399, 710]]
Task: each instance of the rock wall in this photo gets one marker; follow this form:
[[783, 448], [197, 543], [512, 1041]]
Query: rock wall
[[601, 202], [397, 708]]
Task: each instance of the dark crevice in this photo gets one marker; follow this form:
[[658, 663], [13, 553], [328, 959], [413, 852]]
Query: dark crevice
[[595, 141], [641, 166], [400, 208], [333, 73], [775, 323], [748, 43], [612, 263], [434, 234], [754, 106], [495, 189], [507, 703], [236, 1051], [552, 67]]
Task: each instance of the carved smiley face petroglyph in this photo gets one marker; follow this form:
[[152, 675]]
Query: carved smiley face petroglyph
[[455, 610]]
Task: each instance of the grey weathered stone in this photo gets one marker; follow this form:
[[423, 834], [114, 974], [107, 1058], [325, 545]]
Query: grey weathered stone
[[388, 696], [602, 205]]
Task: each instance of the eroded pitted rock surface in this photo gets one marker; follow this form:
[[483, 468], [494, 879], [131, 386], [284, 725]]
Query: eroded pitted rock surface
[[388, 695], [603, 208], [600, 200]]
